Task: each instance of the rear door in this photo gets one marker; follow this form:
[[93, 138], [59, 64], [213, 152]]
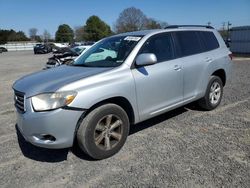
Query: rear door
[[190, 50], [160, 85]]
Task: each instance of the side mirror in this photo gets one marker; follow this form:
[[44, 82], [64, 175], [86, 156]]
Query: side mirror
[[146, 59]]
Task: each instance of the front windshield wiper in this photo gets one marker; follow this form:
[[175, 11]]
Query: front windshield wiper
[[79, 65]]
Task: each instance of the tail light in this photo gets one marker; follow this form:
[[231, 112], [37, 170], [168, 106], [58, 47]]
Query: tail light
[[231, 56]]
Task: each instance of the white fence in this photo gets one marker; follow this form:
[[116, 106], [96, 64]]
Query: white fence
[[18, 46]]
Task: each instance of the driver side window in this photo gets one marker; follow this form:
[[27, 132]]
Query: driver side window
[[160, 45]]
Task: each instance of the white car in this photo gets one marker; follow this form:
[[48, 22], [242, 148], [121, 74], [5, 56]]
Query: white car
[[66, 57]]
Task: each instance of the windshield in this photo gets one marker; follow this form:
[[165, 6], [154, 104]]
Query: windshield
[[110, 52]]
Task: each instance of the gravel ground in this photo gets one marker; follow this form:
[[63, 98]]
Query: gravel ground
[[183, 148]]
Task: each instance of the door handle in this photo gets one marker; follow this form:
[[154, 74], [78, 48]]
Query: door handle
[[208, 59], [177, 67]]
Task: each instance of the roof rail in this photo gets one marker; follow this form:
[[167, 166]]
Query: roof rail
[[177, 26]]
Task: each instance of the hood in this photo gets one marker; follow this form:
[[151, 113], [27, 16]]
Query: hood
[[51, 80]]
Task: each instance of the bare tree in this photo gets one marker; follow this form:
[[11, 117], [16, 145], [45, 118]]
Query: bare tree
[[33, 33], [130, 19], [46, 35], [79, 33], [133, 19]]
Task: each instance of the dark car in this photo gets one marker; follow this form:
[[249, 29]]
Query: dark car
[[2, 49], [42, 49]]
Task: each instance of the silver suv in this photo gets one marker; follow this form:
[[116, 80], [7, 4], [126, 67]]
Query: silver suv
[[120, 81]]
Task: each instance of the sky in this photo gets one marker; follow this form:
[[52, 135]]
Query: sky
[[49, 14]]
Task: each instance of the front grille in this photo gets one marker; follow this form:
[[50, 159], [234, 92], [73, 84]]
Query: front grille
[[19, 101]]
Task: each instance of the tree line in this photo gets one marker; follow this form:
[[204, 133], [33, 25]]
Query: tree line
[[11, 35], [130, 19]]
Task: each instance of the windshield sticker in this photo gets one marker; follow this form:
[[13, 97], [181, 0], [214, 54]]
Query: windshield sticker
[[132, 38]]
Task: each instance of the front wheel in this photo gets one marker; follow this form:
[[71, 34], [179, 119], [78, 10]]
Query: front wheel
[[213, 94], [103, 131]]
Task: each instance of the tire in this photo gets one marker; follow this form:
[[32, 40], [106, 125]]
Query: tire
[[103, 131], [212, 97]]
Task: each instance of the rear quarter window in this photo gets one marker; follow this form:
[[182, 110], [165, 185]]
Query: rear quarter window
[[209, 40]]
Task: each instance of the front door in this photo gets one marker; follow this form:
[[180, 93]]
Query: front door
[[158, 86]]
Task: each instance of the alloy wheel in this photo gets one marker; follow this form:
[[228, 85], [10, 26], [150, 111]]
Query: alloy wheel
[[108, 132], [215, 93]]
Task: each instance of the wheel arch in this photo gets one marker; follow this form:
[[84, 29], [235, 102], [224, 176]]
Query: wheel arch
[[118, 100], [221, 74]]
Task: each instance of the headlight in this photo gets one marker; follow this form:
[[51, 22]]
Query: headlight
[[50, 101]]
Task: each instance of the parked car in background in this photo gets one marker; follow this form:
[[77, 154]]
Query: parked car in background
[[2, 49], [60, 45], [88, 43], [42, 48], [120, 81], [61, 50], [74, 45], [66, 57]]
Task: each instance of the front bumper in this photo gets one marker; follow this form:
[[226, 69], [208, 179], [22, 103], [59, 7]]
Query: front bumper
[[60, 123]]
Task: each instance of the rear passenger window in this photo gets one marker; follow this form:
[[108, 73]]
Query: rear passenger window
[[209, 40], [189, 43], [160, 45]]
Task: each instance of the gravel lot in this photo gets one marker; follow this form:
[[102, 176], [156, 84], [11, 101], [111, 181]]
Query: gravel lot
[[183, 148]]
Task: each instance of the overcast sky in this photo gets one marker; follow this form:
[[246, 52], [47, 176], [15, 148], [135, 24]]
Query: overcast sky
[[48, 14]]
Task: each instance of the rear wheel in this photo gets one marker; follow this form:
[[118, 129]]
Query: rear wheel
[[103, 131], [213, 94]]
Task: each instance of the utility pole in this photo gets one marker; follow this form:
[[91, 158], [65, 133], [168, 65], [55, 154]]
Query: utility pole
[[223, 26], [228, 25], [228, 29], [228, 32]]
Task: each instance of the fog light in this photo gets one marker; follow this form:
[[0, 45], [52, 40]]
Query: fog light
[[48, 137], [45, 137]]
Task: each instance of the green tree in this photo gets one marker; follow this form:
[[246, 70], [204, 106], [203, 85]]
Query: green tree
[[152, 24], [96, 29], [155, 24], [38, 38], [4, 34], [20, 36], [64, 33], [11, 35]]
